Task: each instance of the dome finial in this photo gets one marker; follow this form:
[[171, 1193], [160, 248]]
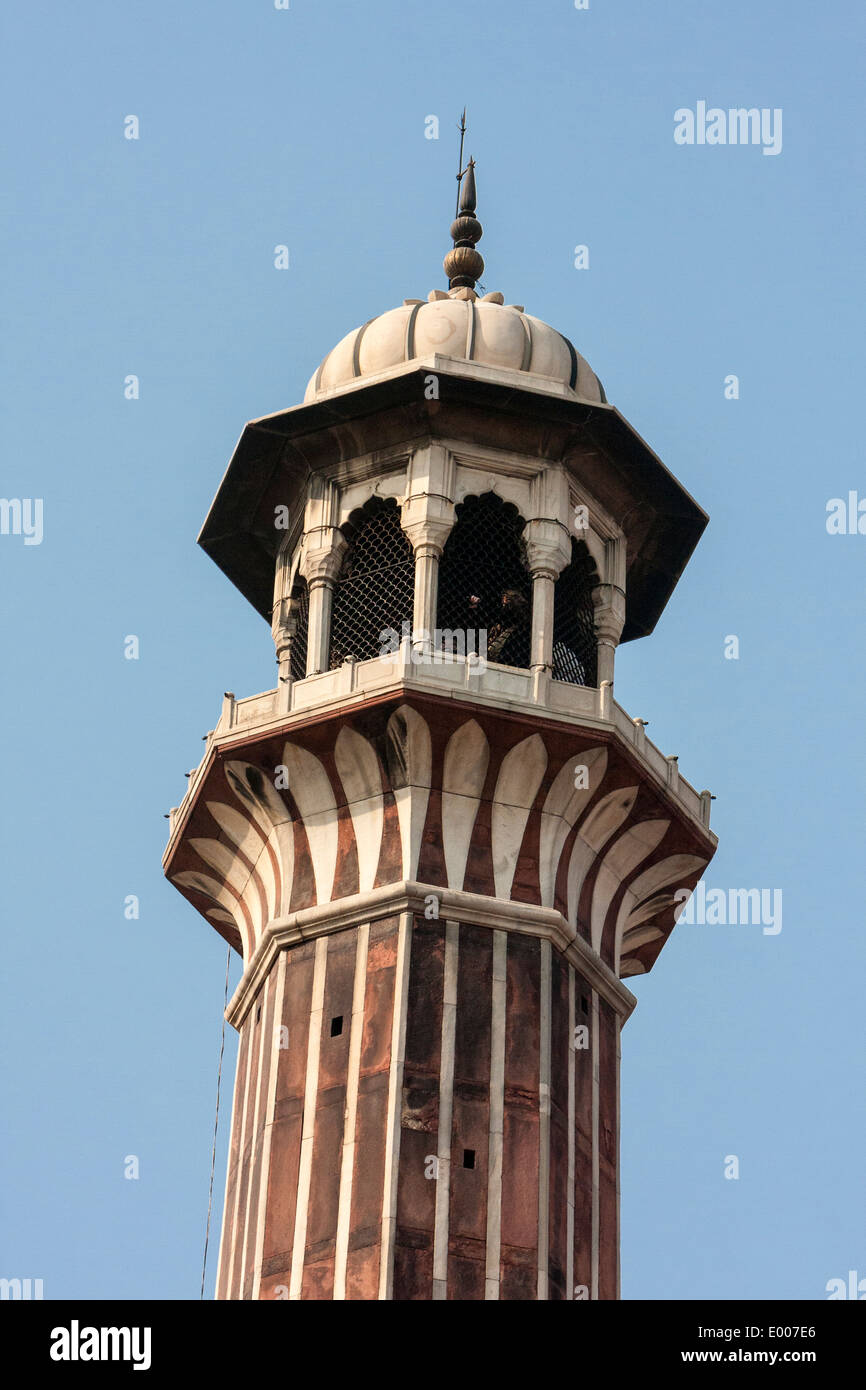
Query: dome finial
[[463, 265]]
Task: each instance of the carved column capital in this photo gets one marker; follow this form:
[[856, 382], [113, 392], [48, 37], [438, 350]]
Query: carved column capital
[[548, 547], [427, 520], [322, 551], [609, 603]]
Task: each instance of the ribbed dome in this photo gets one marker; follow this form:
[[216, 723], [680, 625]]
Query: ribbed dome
[[458, 325]]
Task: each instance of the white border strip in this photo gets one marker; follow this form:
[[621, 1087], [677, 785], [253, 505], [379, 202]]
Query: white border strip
[[273, 1068], [596, 1062], [350, 1143], [544, 1127], [395, 1095], [572, 1120], [311, 1087], [230, 1290], [497, 1115], [446, 1111], [261, 1024]]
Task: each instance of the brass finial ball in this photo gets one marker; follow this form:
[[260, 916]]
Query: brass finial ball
[[463, 265], [466, 230]]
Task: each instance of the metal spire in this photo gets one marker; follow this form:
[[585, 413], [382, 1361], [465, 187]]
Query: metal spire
[[460, 169], [463, 265]]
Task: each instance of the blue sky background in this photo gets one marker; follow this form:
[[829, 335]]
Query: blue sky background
[[155, 257]]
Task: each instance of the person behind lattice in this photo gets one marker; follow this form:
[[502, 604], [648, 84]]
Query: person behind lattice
[[513, 616]]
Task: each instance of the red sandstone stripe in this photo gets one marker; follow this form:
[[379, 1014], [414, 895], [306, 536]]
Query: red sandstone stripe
[[318, 1280], [416, 1191], [608, 1234], [362, 1266], [223, 1289], [467, 1215], [288, 1120]]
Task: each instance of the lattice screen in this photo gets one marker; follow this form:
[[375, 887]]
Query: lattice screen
[[575, 650], [377, 586], [298, 653], [484, 582]]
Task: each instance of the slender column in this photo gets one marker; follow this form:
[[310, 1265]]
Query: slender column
[[321, 562], [548, 548], [285, 630], [427, 557], [321, 608], [543, 591], [284, 622], [427, 521], [609, 601]]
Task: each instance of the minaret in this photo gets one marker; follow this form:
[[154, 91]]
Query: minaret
[[439, 844]]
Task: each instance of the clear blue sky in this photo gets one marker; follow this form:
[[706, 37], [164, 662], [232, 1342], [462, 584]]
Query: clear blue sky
[[155, 257]]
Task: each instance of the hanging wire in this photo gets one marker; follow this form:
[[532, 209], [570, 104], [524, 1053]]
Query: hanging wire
[[216, 1122]]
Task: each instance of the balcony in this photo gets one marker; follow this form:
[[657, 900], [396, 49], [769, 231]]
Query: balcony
[[482, 683]]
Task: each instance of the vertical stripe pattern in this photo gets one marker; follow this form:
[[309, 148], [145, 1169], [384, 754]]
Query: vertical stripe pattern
[[593, 1292], [395, 1087], [349, 1138], [446, 1109], [464, 1047], [544, 1126], [271, 1043], [308, 1132], [572, 1121], [497, 1115]]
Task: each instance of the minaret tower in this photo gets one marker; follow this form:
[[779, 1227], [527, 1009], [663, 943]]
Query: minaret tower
[[439, 845]]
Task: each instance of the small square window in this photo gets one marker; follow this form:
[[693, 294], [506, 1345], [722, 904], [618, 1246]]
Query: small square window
[[468, 1158], [336, 1025]]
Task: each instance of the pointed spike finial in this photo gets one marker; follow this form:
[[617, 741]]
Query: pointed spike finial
[[464, 265], [468, 195], [462, 129]]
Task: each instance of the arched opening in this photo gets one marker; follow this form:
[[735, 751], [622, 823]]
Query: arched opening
[[575, 646], [484, 581], [298, 652], [376, 589]]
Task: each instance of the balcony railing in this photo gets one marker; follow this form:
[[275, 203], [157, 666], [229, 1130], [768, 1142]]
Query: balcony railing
[[485, 682]]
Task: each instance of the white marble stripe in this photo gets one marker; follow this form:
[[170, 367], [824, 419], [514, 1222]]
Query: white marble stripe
[[242, 1139], [544, 1127], [347, 1170], [311, 1086], [593, 1291], [262, 1025], [497, 1116], [224, 1272], [272, 1044], [618, 1026], [446, 1111], [395, 1092], [572, 1064]]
